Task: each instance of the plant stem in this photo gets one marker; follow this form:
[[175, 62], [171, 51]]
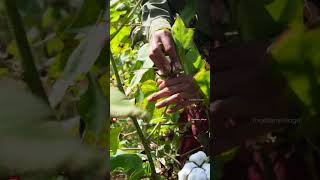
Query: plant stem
[[153, 130], [146, 147], [30, 71], [115, 69]]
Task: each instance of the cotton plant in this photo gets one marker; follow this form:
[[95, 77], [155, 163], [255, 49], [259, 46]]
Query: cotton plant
[[197, 168]]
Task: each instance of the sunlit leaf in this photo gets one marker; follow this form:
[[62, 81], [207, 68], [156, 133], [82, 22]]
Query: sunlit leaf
[[202, 79], [121, 107], [114, 139], [129, 163]]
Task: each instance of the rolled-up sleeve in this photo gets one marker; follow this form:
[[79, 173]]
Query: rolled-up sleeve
[[156, 15]]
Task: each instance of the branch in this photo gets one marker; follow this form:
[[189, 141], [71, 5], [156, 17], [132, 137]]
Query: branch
[[115, 69], [31, 76], [146, 147]]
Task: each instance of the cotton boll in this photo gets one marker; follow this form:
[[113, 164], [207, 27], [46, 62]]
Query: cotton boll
[[182, 175], [185, 171], [197, 174], [198, 157], [206, 167]]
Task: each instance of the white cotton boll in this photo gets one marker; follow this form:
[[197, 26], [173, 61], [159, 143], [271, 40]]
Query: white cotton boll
[[182, 175], [197, 174], [206, 167], [198, 157], [185, 171]]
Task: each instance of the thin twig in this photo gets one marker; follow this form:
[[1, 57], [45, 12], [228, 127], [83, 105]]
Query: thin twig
[[129, 134], [191, 151], [153, 130]]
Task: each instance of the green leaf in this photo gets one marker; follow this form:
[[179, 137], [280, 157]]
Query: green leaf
[[129, 163], [147, 65], [81, 60], [182, 35], [189, 11], [286, 11], [50, 17], [88, 14], [289, 55], [114, 139], [189, 55], [121, 41], [202, 79], [143, 53], [54, 45], [254, 20], [92, 107], [44, 146], [122, 108], [296, 55]]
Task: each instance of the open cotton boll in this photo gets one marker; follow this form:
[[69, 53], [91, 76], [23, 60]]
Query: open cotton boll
[[206, 167], [198, 158], [197, 174], [185, 171]]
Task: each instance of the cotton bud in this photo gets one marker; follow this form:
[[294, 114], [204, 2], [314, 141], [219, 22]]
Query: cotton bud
[[185, 171], [197, 174], [206, 167], [198, 158]]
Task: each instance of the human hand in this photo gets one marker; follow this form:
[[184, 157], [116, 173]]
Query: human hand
[[162, 44], [180, 91]]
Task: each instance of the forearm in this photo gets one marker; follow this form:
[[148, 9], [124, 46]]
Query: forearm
[[156, 15]]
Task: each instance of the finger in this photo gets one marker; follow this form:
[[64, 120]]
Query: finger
[[172, 99], [169, 48], [159, 81], [157, 56], [167, 91], [176, 81], [179, 106]]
